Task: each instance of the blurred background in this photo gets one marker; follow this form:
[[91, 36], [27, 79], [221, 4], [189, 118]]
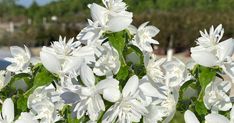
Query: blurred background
[[38, 22]]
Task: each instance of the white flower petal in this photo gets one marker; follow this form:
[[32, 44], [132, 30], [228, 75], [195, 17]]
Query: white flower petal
[[226, 49], [98, 13], [15, 51], [8, 111], [190, 117], [131, 86], [111, 94], [87, 76], [149, 90], [216, 118], [204, 58], [119, 23], [50, 62], [107, 83], [152, 30]]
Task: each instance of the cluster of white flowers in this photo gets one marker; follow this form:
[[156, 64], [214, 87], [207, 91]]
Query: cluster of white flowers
[[87, 70], [211, 52]]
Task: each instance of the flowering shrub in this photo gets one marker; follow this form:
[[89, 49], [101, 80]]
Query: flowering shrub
[[109, 73]]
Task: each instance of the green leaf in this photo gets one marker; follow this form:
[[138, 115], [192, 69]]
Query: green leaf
[[22, 103], [122, 74], [118, 40], [200, 108], [206, 75], [42, 78]]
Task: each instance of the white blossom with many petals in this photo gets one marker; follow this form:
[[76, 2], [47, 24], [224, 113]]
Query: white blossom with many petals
[[143, 38], [20, 61], [127, 109], [65, 59], [42, 106], [89, 101], [113, 17], [108, 63], [216, 98], [210, 51], [153, 67]]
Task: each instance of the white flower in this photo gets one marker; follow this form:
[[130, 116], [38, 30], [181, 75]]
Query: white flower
[[8, 114], [42, 107], [172, 73], [63, 49], [5, 77], [127, 108], [153, 67], [190, 117], [156, 114], [62, 67], [108, 63], [212, 39], [113, 18], [169, 104], [144, 36], [150, 91], [210, 51], [175, 72], [59, 57], [20, 61], [162, 108], [65, 59], [216, 97], [90, 101], [90, 34]]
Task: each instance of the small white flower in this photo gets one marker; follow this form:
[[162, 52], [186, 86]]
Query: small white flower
[[175, 72], [42, 107], [127, 108], [210, 51], [90, 101], [108, 63], [63, 48], [153, 67], [172, 73], [5, 77], [216, 97], [8, 114], [150, 91], [169, 104], [113, 18], [156, 114], [144, 36], [20, 61], [211, 40], [90, 34], [65, 59]]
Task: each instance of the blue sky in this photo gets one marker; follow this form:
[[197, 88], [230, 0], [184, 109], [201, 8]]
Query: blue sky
[[27, 3]]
